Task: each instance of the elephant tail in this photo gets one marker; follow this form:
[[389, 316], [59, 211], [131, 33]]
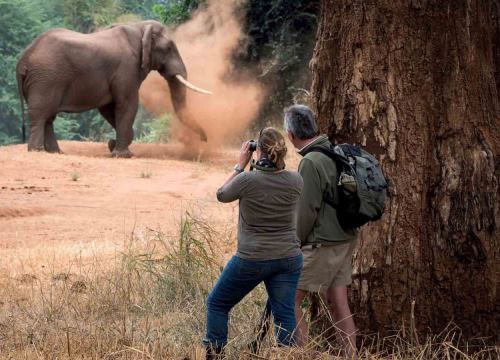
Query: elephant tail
[[20, 81]]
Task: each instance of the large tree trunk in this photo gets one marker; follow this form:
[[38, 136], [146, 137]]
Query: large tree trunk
[[414, 82]]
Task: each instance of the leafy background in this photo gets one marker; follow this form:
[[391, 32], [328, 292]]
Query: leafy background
[[279, 43]]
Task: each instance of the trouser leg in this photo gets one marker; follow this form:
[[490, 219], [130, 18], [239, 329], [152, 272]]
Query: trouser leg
[[233, 285], [281, 289]]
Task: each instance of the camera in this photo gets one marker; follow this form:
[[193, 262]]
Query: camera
[[252, 145]]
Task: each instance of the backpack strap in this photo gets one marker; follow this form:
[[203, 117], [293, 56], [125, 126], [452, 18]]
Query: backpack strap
[[339, 163], [321, 149]]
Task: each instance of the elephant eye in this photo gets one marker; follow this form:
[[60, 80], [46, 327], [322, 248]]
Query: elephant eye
[[170, 44]]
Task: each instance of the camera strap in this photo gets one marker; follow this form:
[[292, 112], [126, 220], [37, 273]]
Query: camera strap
[[263, 165]]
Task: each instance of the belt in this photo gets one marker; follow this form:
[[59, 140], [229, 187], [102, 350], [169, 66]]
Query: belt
[[313, 246]]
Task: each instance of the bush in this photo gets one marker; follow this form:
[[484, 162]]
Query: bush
[[153, 130]]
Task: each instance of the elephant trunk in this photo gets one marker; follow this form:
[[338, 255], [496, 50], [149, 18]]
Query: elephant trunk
[[178, 95]]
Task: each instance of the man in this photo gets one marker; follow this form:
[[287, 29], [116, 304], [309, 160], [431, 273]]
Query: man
[[326, 247]]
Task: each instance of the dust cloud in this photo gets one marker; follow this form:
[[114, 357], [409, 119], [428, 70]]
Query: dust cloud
[[206, 44]]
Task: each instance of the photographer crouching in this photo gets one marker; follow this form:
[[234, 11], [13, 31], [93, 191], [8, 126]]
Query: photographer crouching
[[268, 248]]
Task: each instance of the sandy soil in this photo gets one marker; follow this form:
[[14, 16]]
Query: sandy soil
[[81, 203]]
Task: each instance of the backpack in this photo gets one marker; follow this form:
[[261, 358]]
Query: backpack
[[362, 187]]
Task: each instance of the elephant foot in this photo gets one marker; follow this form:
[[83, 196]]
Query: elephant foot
[[111, 145], [126, 153], [53, 150], [36, 148]]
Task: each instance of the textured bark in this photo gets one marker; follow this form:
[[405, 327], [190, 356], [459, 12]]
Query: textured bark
[[495, 21], [414, 82]]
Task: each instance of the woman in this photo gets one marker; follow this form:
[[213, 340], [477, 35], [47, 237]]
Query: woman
[[268, 248]]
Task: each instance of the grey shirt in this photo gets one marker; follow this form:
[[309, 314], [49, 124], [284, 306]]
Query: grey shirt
[[268, 203]]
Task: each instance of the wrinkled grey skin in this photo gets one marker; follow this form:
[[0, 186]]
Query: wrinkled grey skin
[[66, 71]]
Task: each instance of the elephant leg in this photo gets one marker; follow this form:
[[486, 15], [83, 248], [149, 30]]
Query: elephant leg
[[124, 116], [51, 145], [38, 120], [43, 104], [108, 112]]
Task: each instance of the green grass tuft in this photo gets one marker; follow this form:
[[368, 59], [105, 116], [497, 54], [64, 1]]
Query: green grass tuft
[[146, 174]]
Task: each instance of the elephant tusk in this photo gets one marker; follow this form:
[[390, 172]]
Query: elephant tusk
[[191, 86]]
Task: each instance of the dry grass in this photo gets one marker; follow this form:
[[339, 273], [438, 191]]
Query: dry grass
[[148, 303]]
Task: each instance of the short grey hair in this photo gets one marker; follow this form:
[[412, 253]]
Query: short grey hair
[[299, 120]]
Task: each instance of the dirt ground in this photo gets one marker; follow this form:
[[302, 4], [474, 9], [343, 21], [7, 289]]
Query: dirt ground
[[83, 203]]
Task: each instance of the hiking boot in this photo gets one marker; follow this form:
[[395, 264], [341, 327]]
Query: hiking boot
[[214, 352]]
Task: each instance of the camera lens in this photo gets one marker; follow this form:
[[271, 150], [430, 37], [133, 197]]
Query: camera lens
[[252, 145]]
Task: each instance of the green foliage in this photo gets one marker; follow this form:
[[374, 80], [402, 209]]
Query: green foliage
[[153, 130], [280, 36], [78, 15], [87, 15], [67, 128], [89, 125], [174, 12], [143, 8], [20, 22]]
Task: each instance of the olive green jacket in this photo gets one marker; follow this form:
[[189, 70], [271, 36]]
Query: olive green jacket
[[316, 220]]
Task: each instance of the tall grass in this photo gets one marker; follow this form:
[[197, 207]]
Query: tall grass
[[148, 303]]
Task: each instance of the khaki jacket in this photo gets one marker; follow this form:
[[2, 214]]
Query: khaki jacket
[[316, 220]]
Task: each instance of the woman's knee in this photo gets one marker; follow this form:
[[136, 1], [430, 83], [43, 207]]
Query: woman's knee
[[217, 303], [212, 302]]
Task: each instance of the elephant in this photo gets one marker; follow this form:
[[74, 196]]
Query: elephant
[[67, 71]]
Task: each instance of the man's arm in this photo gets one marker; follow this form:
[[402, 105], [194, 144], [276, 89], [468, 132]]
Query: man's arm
[[310, 200]]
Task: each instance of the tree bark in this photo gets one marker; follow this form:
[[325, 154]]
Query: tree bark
[[416, 83]]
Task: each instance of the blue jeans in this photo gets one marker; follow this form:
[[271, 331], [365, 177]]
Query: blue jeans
[[241, 276]]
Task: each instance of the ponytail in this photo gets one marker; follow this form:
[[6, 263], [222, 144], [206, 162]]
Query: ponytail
[[273, 146]]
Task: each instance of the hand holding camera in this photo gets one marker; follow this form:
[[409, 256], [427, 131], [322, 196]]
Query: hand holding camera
[[252, 145], [247, 148]]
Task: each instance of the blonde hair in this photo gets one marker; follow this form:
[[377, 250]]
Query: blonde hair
[[272, 144]]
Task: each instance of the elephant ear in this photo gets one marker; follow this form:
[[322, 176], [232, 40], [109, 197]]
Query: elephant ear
[[146, 50]]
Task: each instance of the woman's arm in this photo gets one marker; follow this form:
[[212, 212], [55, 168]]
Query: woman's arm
[[231, 190]]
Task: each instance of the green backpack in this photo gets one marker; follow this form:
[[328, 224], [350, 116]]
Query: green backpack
[[362, 187]]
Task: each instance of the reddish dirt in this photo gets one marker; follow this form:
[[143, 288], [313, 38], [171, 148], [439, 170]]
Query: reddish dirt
[[83, 202]]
